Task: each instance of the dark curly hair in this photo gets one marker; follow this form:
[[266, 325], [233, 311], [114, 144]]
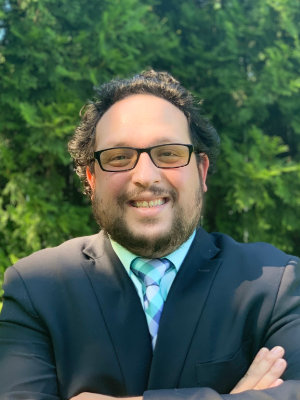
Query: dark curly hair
[[161, 84]]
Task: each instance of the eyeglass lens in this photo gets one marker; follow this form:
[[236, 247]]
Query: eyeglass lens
[[165, 156]]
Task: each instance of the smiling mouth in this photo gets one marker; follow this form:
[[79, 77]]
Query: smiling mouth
[[149, 204]]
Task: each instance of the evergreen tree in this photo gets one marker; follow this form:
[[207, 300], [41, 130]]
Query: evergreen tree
[[52, 54], [241, 57]]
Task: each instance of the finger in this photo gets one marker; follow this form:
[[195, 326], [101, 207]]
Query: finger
[[278, 382], [83, 396], [248, 381], [274, 373], [260, 366], [263, 362]]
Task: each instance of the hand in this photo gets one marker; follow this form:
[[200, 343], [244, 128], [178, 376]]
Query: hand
[[264, 372]]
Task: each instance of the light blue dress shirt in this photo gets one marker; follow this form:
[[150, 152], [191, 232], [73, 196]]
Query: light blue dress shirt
[[177, 257]]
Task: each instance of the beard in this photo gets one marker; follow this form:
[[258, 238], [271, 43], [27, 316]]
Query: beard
[[185, 220]]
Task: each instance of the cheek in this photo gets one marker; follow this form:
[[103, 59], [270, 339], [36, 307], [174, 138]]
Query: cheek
[[178, 181], [110, 185], [183, 180]]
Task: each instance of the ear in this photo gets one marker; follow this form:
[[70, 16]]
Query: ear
[[91, 178], [203, 169]]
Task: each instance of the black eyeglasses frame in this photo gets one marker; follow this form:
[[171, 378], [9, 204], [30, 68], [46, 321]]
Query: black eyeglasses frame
[[143, 150]]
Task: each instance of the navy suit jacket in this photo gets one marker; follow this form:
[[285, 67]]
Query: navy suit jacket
[[72, 321]]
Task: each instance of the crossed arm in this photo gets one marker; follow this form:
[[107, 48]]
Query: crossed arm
[[264, 373]]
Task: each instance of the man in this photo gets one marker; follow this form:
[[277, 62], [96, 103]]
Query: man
[[152, 305]]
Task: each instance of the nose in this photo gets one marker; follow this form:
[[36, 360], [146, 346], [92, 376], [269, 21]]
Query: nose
[[145, 172]]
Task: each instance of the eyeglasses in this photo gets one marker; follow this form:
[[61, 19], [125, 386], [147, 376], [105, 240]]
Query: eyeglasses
[[117, 159]]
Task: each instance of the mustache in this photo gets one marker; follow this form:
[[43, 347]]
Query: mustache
[[154, 190]]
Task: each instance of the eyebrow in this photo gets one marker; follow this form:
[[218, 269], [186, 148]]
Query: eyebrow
[[163, 140]]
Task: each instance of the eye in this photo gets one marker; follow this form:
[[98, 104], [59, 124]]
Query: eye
[[117, 157], [169, 154]]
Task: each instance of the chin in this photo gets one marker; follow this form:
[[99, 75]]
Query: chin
[[152, 243], [150, 234]]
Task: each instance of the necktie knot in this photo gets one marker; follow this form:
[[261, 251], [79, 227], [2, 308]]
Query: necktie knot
[[150, 271]]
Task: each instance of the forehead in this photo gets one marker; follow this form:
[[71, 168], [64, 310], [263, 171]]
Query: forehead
[[141, 119]]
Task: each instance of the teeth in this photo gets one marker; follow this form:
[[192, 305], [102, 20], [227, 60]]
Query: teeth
[[151, 203]]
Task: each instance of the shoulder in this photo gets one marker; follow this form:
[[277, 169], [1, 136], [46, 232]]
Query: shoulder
[[258, 253], [256, 267], [50, 275], [67, 255], [260, 249]]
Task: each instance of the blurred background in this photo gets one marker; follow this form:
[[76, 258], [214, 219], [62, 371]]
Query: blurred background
[[241, 58]]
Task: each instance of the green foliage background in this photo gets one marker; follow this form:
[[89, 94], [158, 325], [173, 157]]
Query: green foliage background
[[241, 57]]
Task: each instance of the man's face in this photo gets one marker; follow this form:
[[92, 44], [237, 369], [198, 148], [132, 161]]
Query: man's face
[[121, 199]]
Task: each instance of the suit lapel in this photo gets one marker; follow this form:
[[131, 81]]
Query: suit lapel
[[182, 311], [123, 313]]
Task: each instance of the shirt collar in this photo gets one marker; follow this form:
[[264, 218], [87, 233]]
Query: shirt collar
[[176, 257]]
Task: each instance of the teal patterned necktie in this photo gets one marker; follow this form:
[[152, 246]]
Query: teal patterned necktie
[[151, 272]]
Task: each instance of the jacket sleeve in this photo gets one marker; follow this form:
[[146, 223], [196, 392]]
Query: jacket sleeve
[[283, 329], [27, 365], [289, 390]]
